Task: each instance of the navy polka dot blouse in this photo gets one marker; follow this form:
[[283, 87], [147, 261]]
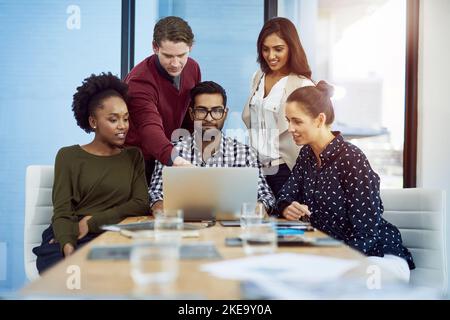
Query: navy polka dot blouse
[[343, 196]]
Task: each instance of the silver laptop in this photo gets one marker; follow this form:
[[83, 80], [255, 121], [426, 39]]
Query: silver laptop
[[207, 194]]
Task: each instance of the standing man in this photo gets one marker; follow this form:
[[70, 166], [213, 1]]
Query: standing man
[[159, 93]]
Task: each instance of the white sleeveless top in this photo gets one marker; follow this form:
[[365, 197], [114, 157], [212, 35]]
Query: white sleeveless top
[[264, 133]]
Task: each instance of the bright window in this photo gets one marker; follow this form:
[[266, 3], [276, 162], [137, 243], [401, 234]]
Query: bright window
[[359, 47]]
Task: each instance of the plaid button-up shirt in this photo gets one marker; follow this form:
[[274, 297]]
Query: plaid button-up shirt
[[230, 154]]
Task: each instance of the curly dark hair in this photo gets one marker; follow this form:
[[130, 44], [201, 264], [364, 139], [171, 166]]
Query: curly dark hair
[[92, 92]]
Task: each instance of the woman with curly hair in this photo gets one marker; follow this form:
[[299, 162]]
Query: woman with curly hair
[[98, 183]]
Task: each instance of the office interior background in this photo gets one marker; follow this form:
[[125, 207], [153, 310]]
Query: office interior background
[[48, 47]]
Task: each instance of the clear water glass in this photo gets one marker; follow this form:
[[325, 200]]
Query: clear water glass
[[169, 223], [260, 238], [251, 213], [154, 262]]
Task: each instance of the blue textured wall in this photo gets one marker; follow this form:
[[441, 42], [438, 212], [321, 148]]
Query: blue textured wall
[[42, 61]]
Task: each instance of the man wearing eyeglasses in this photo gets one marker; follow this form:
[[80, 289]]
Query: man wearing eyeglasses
[[208, 146], [159, 93]]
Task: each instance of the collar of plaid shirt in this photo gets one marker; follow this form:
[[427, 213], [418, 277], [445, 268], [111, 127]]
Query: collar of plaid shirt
[[197, 140]]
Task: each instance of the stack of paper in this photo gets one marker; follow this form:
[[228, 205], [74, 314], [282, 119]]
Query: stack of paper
[[285, 266], [273, 274]]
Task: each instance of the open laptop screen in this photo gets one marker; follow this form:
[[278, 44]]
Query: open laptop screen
[[209, 193]]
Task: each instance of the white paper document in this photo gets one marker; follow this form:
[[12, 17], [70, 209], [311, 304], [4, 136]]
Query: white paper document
[[279, 276], [282, 266]]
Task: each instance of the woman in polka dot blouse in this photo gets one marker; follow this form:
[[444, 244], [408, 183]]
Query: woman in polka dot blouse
[[334, 185]]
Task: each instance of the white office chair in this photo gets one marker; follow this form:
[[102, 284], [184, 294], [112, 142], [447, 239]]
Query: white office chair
[[420, 216], [38, 212]]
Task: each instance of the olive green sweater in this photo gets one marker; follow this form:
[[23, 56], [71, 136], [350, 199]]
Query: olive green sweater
[[108, 188]]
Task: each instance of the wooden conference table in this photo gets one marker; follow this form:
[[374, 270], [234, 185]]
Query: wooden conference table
[[103, 278]]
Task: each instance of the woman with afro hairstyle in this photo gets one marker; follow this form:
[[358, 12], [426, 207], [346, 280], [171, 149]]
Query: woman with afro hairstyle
[[95, 184]]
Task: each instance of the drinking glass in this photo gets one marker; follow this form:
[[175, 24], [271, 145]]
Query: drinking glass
[[154, 262], [251, 213], [169, 224], [260, 238]]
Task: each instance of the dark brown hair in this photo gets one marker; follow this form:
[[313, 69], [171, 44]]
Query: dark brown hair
[[285, 29], [173, 29], [208, 87], [315, 100]]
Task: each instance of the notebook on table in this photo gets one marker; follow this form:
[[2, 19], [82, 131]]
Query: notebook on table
[[192, 251]]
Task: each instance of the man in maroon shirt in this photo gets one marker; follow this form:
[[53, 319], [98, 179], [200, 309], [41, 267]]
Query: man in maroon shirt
[[159, 93]]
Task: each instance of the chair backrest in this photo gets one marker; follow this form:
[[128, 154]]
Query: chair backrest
[[38, 212], [420, 216]]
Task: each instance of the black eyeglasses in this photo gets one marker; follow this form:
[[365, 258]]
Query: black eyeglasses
[[200, 113]]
